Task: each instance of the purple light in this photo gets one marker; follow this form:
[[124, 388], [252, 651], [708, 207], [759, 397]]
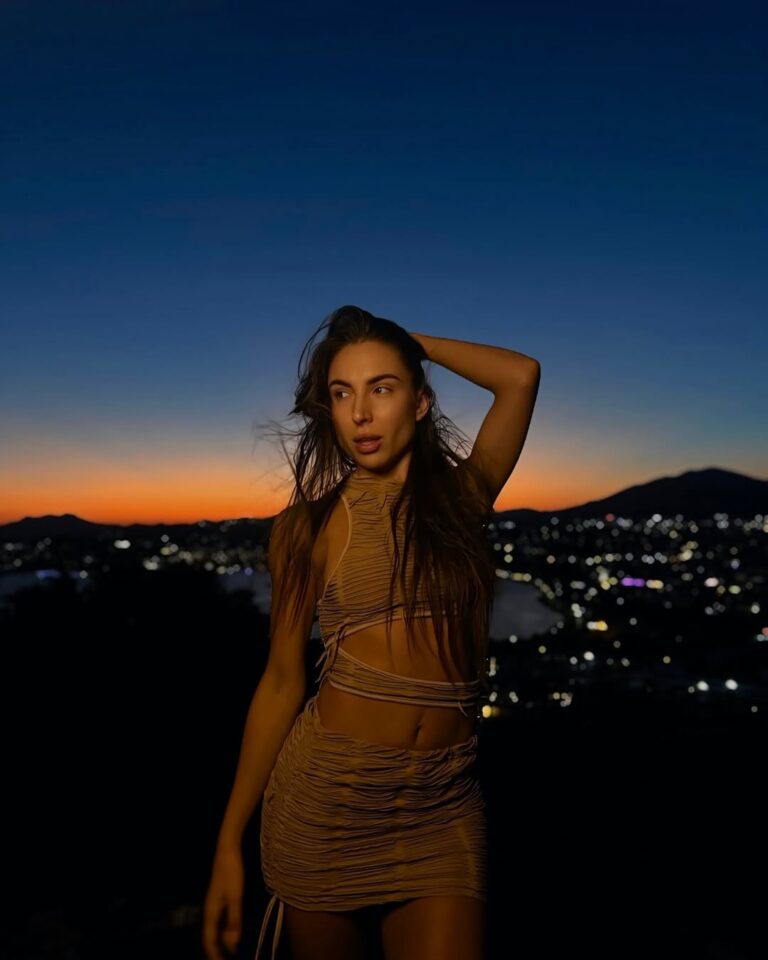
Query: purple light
[[632, 582]]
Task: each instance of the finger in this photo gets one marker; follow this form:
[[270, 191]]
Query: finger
[[210, 940], [232, 927]]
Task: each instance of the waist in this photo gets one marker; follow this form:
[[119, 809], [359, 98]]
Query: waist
[[355, 676]]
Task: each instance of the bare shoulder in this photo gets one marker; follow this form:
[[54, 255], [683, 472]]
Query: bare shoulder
[[294, 594], [291, 529]]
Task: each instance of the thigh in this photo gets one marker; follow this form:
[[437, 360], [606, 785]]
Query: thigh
[[435, 928], [327, 934]]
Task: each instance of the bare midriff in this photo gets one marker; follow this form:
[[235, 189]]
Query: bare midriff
[[414, 727]]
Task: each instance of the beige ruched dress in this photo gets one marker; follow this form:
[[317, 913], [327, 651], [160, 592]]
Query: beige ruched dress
[[347, 823]]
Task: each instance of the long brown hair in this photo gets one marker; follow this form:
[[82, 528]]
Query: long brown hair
[[443, 501]]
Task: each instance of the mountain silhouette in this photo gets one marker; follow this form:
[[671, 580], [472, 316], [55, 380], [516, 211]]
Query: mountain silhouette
[[695, 494]]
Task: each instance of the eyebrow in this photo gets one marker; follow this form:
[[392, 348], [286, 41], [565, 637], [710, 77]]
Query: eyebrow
[[380, 376]]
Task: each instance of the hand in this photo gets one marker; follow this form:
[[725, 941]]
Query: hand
[[222, 909], [422, 341]]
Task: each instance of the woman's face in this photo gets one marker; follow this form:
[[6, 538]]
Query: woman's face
[[370, 393]]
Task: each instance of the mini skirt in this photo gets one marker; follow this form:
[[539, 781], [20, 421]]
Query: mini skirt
[[347, 823]]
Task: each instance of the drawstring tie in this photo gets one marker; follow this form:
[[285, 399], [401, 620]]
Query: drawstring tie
[[278, 925]]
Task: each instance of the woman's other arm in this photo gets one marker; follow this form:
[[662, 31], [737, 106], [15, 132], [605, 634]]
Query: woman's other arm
[[281, 690]]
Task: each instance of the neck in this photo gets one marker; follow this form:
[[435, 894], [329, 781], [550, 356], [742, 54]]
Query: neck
[[356, 475]]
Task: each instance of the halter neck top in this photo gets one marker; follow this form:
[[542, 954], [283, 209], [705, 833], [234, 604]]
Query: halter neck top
[[356, 594]]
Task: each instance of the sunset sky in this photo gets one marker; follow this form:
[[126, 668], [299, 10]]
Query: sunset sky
[[188, 189]]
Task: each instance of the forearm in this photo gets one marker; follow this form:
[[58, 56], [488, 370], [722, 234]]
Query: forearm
[[494, 368], [269, 720]]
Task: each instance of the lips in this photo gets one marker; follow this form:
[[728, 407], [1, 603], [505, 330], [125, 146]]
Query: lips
[[368, 444]]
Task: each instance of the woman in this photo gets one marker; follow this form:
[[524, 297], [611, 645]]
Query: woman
[[372, 812]]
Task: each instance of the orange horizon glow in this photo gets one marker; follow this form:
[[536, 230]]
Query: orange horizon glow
[[119, 487], [224, 495]]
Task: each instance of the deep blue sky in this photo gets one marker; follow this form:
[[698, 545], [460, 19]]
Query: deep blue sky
[[189, 188]]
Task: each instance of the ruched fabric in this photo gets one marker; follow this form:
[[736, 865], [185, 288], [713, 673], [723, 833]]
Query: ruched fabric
[[355, 676], [357, 592], [348, 823]]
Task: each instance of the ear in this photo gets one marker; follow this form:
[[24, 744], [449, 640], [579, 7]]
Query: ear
[[422, 407]]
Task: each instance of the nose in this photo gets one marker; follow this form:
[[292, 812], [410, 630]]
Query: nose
[[359, 412]]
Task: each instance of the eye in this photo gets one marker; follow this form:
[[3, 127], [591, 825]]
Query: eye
[[337, 393]]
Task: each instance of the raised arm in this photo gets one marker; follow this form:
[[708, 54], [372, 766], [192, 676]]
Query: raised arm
[[513, 379]]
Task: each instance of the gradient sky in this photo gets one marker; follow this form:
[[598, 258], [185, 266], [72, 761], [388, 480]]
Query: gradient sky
[[188, 189]]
